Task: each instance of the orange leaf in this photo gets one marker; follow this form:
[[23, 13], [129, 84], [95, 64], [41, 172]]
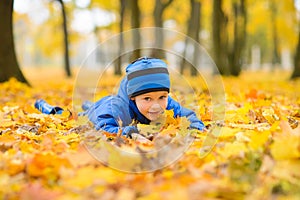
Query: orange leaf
[[46, 165]]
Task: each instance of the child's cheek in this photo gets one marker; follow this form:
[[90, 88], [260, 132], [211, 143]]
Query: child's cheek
[[144, 106], [165, 104]]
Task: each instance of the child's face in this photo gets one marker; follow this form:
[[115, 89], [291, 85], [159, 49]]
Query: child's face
[[152, 104]]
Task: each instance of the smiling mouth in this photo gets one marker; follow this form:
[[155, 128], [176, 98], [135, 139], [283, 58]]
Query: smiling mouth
[[155, 113]]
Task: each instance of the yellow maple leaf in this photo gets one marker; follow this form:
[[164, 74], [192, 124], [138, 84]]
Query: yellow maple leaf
[[286, 144], [88, 175], [258, 139], [270, 115], [286, 147], [288, 170], [227, 132], [170, 118], [233, 149], [6, 123]]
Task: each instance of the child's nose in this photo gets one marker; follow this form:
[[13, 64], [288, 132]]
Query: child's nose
[[155, 106]]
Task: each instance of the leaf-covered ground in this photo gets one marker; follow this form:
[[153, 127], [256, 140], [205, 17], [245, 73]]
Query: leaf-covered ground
[[257, 155]]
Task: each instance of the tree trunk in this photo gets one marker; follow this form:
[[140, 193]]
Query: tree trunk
[[195, 30], [296, 72], [158, 22], [239, 39], [219, 24], [193, 33], [66, 43], [275, 54], [8, 60], [118, 65], [135, 24]]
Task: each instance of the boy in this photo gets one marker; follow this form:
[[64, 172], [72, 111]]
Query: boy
[[142, 96]]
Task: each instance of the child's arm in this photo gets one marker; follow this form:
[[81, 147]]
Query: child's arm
[[180, 111], [109, 124], [102, 116]]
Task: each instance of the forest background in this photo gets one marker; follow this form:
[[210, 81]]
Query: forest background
[[238, 35], [255, 45]]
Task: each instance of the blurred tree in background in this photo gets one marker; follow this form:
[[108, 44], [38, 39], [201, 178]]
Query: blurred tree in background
[[160, 7], [235, 54], [274, 11], [118, 65], [239, 34], [220, 39], [66, 43], [296, 72], [135, 24], [9, 66], [193, 33]]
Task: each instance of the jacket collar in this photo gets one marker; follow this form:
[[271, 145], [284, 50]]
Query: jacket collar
[[133, 110]]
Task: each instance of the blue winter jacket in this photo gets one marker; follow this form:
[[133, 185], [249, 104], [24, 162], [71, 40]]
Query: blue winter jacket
[[112, 113]]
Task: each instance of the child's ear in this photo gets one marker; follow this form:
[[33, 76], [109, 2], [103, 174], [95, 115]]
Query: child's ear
[[132, 98]]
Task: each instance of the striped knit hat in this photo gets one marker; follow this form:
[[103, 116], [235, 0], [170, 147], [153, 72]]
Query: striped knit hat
[[147, 75]]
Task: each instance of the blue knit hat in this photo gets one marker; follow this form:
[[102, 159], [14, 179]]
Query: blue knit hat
[[147, 75]]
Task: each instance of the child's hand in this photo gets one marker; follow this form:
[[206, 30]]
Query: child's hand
[[197, 125], [128, 130]]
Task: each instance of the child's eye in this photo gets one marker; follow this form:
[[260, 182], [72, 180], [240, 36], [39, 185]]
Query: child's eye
[[147, 98], [162, 97]]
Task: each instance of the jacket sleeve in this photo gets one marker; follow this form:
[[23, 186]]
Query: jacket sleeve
[[180, 111], [103, 115], [107, 123]]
